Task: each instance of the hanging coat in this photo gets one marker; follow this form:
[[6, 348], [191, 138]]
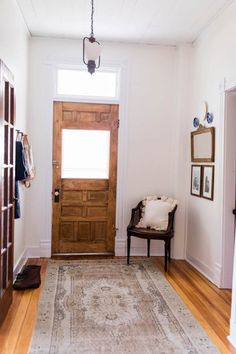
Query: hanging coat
[[20, 175], [21, 169]]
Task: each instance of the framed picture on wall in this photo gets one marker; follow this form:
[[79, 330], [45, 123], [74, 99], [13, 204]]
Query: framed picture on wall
[[203, 145], [208, 182], [196, 180]]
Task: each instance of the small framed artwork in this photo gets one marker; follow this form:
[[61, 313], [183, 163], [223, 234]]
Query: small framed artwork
[[208, 182], [196, 180]]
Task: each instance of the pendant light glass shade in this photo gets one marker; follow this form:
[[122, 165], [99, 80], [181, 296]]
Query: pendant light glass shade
[[92, 50]]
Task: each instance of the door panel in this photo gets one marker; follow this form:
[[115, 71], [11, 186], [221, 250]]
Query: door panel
[[84, 211], [6, 188]]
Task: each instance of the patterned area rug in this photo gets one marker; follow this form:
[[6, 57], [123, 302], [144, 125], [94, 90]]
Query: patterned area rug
[[106, 307]]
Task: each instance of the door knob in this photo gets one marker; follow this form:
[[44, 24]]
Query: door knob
[[56, 195], [55, 163], [234, 211]]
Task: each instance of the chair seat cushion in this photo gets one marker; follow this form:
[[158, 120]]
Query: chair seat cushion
[[155, 215], [148, 233]]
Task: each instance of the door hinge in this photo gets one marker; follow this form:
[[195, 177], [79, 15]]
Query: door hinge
[[118, 123]]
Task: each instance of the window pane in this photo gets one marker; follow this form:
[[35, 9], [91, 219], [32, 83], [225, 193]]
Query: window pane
[[82, 83], [85, 153]]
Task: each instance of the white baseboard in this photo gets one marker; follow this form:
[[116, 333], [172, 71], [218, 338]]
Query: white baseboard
[[19, 264], [218, 274], [44, 250], [120, 247], [33, 252], [232, 337], [209, 273], [137, 249]]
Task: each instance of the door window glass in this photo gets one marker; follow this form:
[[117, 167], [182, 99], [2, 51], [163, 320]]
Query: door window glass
[[85, 153]]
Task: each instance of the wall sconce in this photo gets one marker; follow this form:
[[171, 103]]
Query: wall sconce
[[91, 48]]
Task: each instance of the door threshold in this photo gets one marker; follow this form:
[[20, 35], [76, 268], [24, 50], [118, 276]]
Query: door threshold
[[83, 254]]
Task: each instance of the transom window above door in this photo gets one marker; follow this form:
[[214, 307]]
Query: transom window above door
[[77, 84]]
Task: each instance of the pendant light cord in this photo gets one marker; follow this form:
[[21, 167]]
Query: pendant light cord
[[92, 12]]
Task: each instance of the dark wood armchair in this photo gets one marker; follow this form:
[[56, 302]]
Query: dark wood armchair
[[150, 234]]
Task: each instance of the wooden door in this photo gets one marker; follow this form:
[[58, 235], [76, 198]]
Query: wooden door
[[7, 176], [83, 207]]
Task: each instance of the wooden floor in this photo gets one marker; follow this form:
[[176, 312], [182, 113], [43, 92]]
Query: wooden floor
[[209, 305]]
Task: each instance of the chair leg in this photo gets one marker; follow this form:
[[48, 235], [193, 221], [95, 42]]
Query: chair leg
[[169, 258], [128, 248], [148, 247], [166, 253]]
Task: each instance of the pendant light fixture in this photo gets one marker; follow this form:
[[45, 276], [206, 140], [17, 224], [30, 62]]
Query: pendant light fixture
[[91, 48]]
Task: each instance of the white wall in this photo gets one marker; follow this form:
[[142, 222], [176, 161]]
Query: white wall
[[147, 138], [181, 141], [214, 60], [14, 52], [213, 68]]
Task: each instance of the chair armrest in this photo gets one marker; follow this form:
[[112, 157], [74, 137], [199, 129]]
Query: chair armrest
[[135, 215]]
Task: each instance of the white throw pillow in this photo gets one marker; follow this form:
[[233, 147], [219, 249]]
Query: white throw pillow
[[155, 215]]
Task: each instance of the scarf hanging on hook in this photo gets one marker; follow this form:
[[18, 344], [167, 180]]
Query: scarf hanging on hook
[[28, 153]]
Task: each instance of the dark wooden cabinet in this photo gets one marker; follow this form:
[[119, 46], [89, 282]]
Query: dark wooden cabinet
[[7, 178]]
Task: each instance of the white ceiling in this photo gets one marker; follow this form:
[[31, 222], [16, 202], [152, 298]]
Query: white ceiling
[[142, 21]]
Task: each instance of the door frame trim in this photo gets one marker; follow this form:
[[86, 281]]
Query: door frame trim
[[97, 244], [225, 87], [122, 166], [122, 158]]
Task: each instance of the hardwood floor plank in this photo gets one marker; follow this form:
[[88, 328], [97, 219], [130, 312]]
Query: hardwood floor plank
[[27, 327], [11, 329]]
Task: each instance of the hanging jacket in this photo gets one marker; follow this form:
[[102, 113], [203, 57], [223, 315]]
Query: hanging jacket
[[20, 169], [20, 175]]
